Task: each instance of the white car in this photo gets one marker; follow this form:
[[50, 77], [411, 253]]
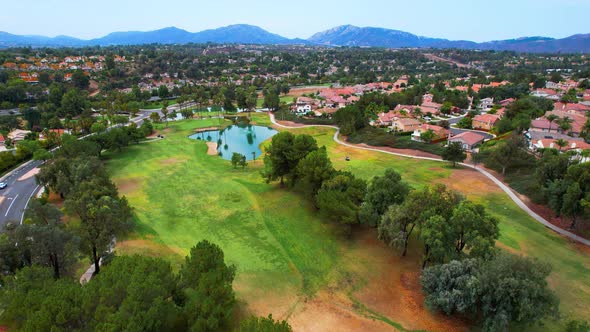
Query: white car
[[3, 185]]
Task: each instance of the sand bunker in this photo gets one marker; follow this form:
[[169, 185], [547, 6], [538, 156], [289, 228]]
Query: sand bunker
[[212, 148]]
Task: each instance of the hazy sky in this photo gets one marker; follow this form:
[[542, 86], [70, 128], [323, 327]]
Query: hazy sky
[[478, 20]]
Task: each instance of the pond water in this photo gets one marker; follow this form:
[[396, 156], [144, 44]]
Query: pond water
[[241, 139]]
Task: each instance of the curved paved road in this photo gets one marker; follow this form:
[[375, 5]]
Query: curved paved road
[[499, 183]]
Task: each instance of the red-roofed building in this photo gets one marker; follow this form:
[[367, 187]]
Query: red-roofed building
[[405, 125], [572, 145], [469, 140], [571, 107], [507, 102], [485, 121], [542, 125], [439, 132]]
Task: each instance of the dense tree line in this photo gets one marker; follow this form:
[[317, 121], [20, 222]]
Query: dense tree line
[[133, 293]]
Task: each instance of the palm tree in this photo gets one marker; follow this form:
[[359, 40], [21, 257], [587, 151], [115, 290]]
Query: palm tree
[[565, 124], [561, 143], [551, 118]]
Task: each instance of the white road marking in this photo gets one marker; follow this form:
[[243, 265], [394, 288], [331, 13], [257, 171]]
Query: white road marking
[[13, 200], [23, 215]]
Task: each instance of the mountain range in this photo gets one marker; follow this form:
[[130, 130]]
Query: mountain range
[[346, 35]]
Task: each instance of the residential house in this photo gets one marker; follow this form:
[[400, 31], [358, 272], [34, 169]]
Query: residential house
[[571, 108], [507, 102], [18, 135], [469, 140], [542, 125], [405, 125], [577, 120], [407, 109], [552, 85], [304, 105], [486, 104], [385, 119], [485, 121], [572, 145], [440, 133], [546, 93], [59, 132]]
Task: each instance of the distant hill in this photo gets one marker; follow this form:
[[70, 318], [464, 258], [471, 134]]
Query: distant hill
[[349, 35], [346, 35]]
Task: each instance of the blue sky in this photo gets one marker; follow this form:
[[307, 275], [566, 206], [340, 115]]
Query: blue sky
[[478, 20]]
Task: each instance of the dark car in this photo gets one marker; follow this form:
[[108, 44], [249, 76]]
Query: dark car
[[3, 185]]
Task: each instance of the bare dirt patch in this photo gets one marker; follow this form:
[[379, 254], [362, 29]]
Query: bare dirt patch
[[378, 292], [290, 123], [146, 247], [55, 199], [212, 148], [171, 161], [470, 182], [298, 92], [128, 185], [29, 174], [333, 312], [2, 198], [409, 152], [393, 288]]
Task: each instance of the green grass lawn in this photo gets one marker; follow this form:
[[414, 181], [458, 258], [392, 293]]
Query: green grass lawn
[[288, 99], [159, 105], [279, 244], [518, 232], [181, 196]]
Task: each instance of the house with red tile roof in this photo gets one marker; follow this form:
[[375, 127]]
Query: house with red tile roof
[[572, 145], [440, 133], [485, 121], [546, 93], [577, 120], [405, 125], [507, 102], [542, 125], [384, 119], [469, 140], [571, 107]]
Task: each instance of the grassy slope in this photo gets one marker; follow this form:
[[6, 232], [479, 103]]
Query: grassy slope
[[195, 196], [519, 232], [290, 247]]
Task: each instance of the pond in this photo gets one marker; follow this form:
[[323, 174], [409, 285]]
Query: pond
[[241, 139]]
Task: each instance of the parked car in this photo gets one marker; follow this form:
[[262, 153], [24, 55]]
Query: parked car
[[3, 185]]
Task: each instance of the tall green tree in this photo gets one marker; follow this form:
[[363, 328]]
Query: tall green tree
[[505, 290], [313, 170], [283, 156], [103, 215], [340, 198], [382, 192], [49, 242], [206, 283], [454, 153], [470, 229]]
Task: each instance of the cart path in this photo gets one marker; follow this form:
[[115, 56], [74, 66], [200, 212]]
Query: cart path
[[499, 183]]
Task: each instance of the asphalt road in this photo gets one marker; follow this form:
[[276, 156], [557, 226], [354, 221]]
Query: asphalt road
[[15, 198]]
